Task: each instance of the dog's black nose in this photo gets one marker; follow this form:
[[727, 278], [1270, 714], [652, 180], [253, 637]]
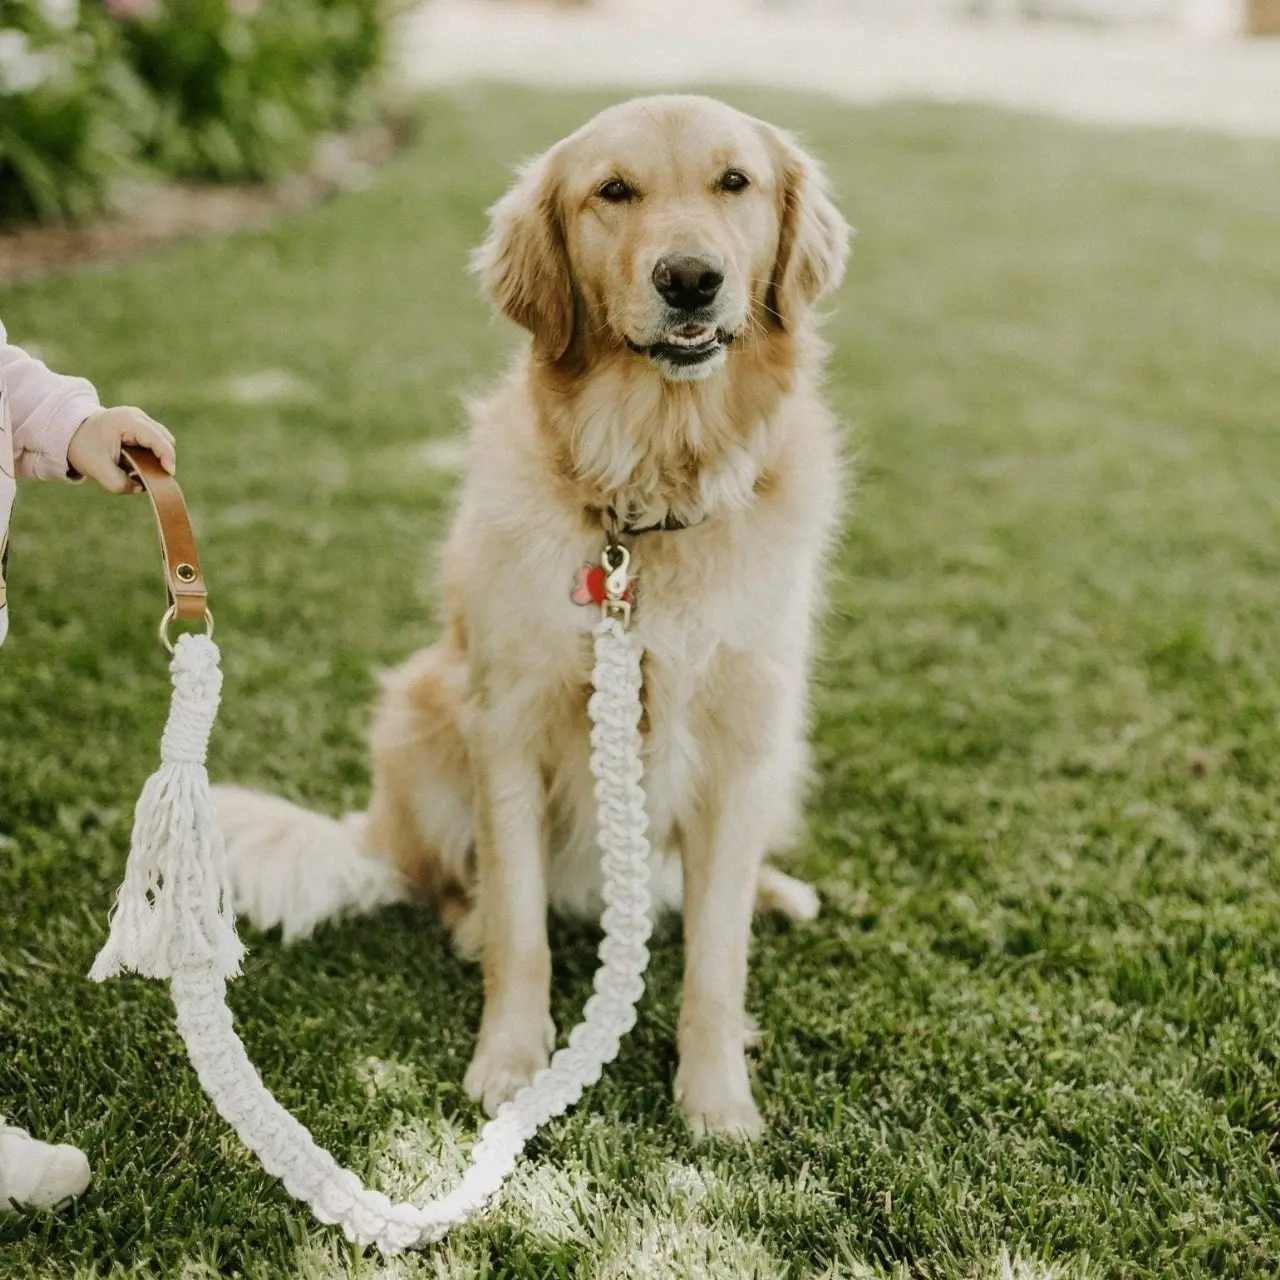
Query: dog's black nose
[[687, 280]]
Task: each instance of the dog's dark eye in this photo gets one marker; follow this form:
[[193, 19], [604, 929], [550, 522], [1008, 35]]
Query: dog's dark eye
[[734, 180], [615, 191]]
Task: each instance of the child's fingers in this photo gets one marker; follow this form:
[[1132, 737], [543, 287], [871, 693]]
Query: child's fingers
[[160, 427], [111, 477], [151, 435]]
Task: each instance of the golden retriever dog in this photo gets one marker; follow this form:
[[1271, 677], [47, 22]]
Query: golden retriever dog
[[666, 260]]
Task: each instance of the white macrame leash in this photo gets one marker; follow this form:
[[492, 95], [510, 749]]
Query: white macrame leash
[[173, 920]]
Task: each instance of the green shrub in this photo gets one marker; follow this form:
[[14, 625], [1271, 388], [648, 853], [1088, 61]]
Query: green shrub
[[227, 90], [243, 86], [71, 109]]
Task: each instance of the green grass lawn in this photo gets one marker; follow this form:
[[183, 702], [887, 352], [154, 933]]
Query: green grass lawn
[[1040, 1011]]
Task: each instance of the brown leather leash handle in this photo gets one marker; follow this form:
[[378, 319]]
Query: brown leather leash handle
[[187, 595]]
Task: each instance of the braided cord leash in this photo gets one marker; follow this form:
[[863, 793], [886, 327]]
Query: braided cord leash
[[173, 920]]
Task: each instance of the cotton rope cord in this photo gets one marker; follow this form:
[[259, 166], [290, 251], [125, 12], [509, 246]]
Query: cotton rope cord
[[173, 920]]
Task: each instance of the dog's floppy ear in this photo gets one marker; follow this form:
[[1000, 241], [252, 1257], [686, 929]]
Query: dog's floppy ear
[[523, 262], [813, 244]]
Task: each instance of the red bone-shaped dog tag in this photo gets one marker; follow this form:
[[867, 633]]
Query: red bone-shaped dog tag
[[589, 589]]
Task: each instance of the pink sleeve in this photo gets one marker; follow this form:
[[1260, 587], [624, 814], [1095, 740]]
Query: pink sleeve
[[45, 408]]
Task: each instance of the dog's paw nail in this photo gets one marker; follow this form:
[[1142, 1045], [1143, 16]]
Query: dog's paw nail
[[500, 1069], [718, 1104], [739, 1122]]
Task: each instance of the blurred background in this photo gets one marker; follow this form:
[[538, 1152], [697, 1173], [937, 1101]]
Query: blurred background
[[99, 99]]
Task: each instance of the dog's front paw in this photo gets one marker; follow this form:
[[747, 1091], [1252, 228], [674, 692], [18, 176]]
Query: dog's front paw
[[507, 1058], [716, 1098]]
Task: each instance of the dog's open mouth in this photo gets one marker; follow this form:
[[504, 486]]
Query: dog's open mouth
[[685, 348]]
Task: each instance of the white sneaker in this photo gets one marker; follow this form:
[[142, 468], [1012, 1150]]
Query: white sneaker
[[38, 1175]]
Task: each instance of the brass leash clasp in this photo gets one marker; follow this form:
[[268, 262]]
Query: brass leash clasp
[[186, 594]]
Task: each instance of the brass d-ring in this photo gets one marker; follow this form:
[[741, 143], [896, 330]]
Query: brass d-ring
[[169, 615]]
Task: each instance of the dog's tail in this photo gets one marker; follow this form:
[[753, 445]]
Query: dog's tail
[[295, 868]]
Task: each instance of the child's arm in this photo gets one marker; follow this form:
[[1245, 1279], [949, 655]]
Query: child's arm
[[61, 432], [45, 411]]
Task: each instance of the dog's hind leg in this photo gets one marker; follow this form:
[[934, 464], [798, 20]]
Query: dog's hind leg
[[776, 892], [421, 819], [293, 868]]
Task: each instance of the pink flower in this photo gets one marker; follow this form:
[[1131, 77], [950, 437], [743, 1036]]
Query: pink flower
[[131, 10], [246, 8]]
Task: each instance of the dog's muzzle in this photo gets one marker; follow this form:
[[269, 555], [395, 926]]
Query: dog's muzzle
[[688, 347]]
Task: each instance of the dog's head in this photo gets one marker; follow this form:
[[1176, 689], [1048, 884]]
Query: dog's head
[[669, 228]]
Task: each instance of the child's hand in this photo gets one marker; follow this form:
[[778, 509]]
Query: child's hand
[[95, 448]]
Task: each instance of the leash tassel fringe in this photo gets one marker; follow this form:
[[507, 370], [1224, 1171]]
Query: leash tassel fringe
[[173, 910]]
